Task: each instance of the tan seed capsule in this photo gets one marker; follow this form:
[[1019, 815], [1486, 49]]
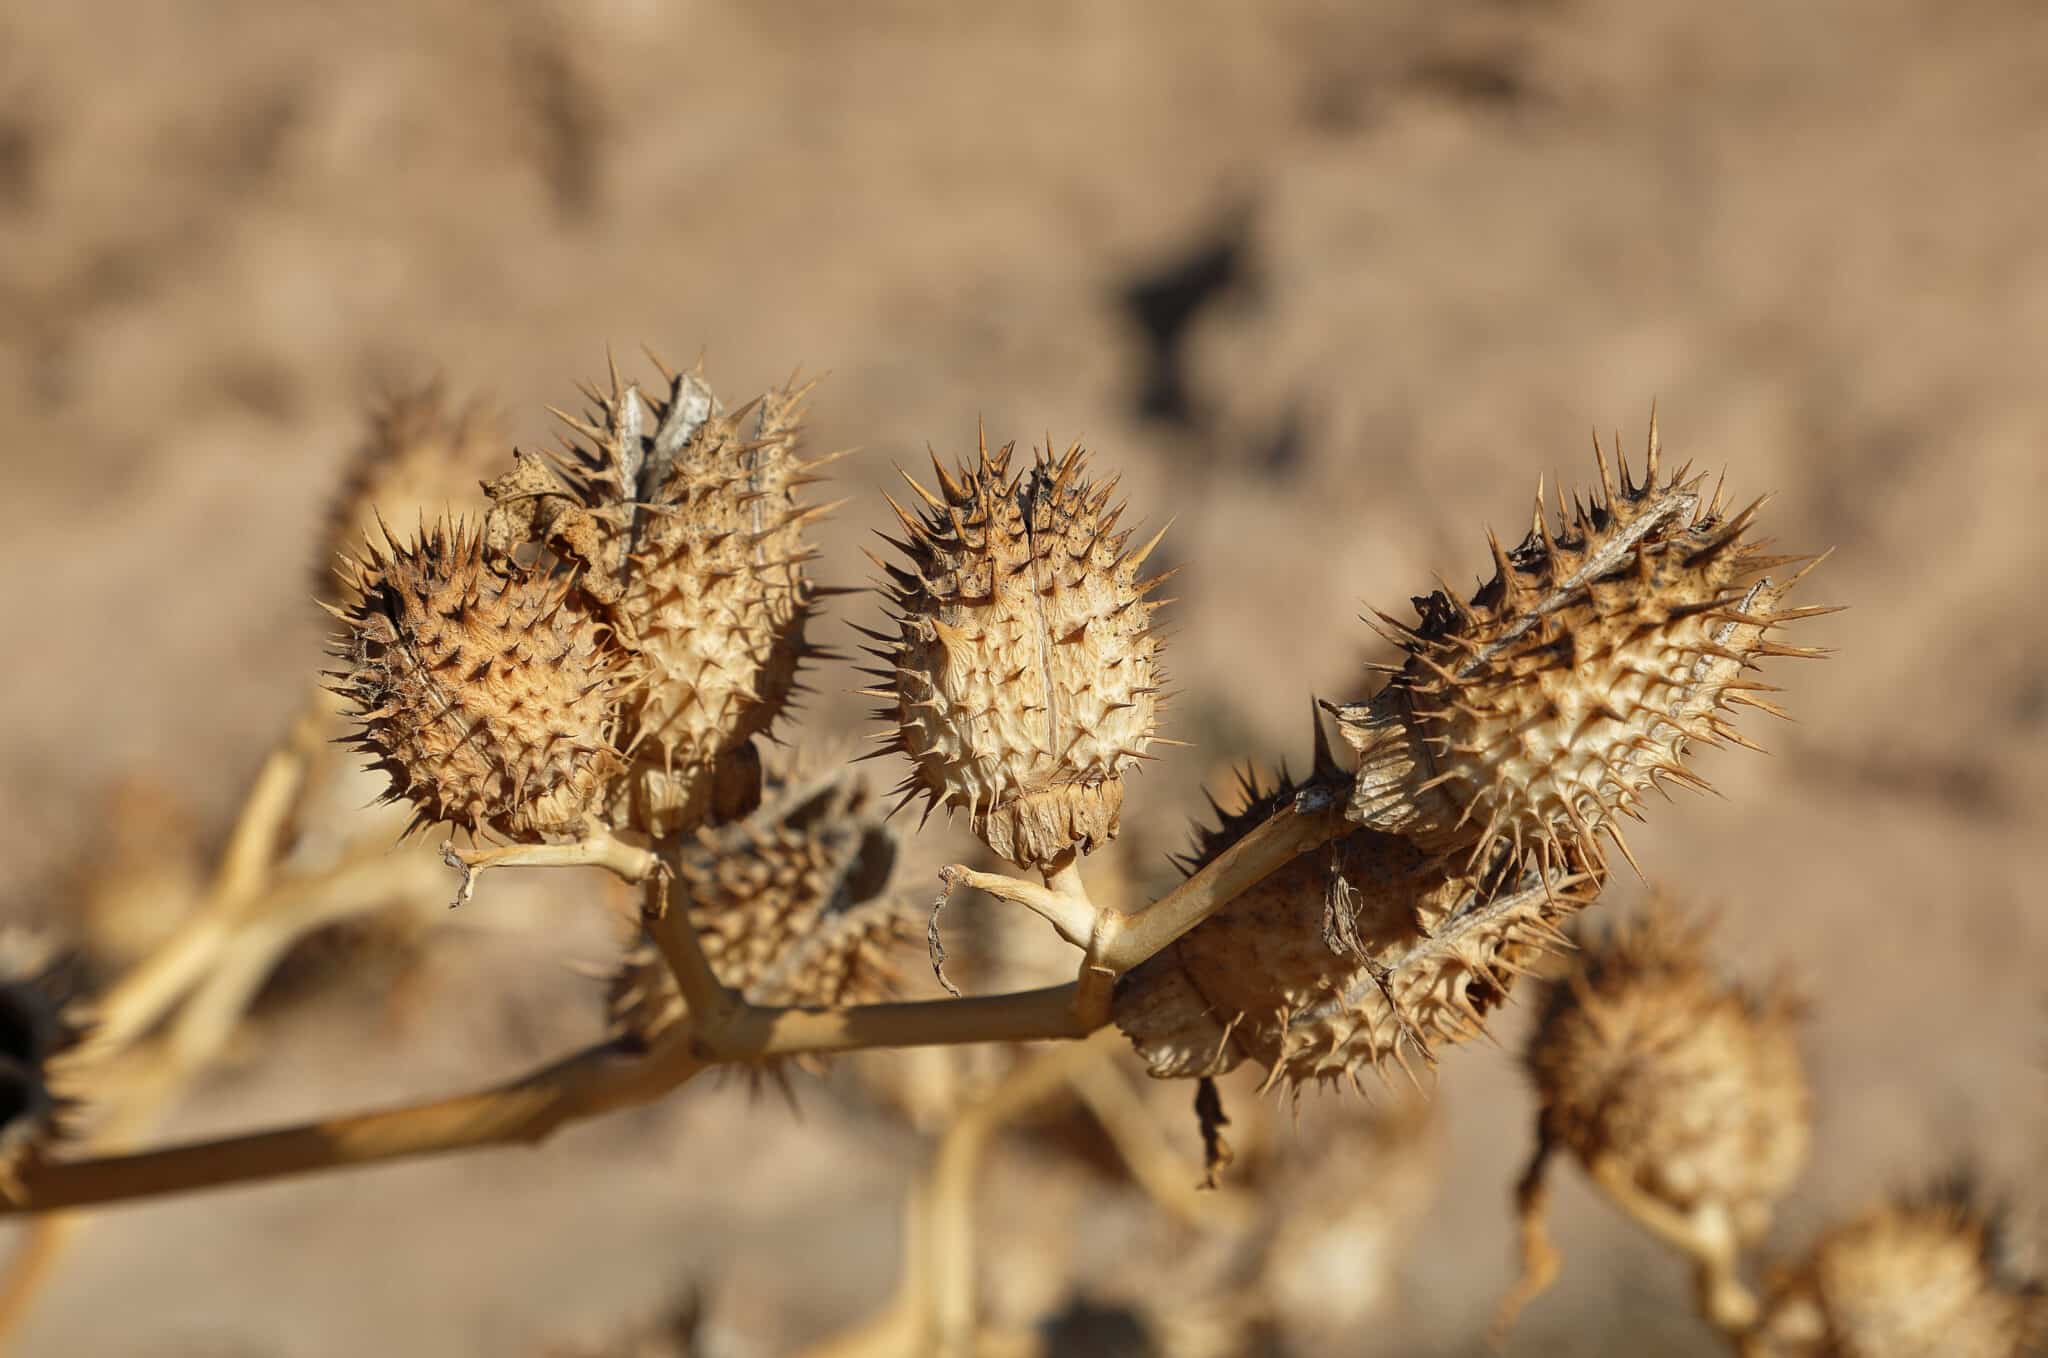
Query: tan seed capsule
[[1907, 1280], [1694, 1086], [1365, 951], [486, 693], [685, 526], [791, 905], [1024, 679], [1538, 712]]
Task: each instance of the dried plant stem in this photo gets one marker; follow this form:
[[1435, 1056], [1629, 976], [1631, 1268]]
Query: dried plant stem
[[1063, 901], [150, 990], [1539, 1258], [526, 1110], [600, 1080], [599, 848], [955, 1174], [1705, 1235], [934, 1313], [1316, 817], [270, 928]]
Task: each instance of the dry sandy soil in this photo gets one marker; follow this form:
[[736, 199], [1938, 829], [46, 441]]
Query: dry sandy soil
[[1332, 284]]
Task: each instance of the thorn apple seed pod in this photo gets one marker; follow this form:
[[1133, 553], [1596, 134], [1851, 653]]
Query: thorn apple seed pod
[[1365, 950], [1647, 1058], [685, 525], [488, 699], [38, 1025], [1024, 678], [1905, 1280], [1538, 712], [421, 460], [791, 905]]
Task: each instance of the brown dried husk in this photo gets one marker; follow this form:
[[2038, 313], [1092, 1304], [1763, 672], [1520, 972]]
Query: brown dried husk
[[1361, 952], [1647, 1058], [683, 525], [1905, 1280], [486, 692], [792, 906], [1023, 680], [1537, 713]]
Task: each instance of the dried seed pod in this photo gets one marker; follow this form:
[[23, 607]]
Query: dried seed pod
[[1539, 711], [1906, 1280], [1024, 679], [485, 691], [683, 521], [791, 905], [421, 460], [1648, 1059], [38, 1025], [1363, 950]]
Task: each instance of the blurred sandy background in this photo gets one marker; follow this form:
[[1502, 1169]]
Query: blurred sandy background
[[1333, 284]]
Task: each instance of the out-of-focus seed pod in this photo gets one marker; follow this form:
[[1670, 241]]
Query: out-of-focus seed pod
[[1365, 950], [683, 521], [1538, 712], [1906, 1280], [792, 907], [486, 693], [38, 1025], [1024, 677], [422, 460], [1647, 1058], [145, 875]]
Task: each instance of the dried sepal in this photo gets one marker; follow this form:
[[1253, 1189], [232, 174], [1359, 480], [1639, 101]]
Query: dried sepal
[[1647, 1058], [422, 458], [792, 907], [485, 691], [1365, 952], [685, 526], [40, 1022], [1934, 1274], [1537, 713], [1023, 679]]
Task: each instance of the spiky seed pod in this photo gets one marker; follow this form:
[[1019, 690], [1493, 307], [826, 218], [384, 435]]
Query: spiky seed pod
[[1906, 1280], [1538, 712], [684, 521], [39, 1023], [421, 459], [791, 904], [486, 693], [1363, 951], [1024, 677], [1647, 1058]]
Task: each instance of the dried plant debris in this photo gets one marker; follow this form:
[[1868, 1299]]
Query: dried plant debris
[[629, 616], [1023, 680], [1366, 951], [1537, 712], [1648, 1058], [792, 906], [39, 1023], [1932, 1275]]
